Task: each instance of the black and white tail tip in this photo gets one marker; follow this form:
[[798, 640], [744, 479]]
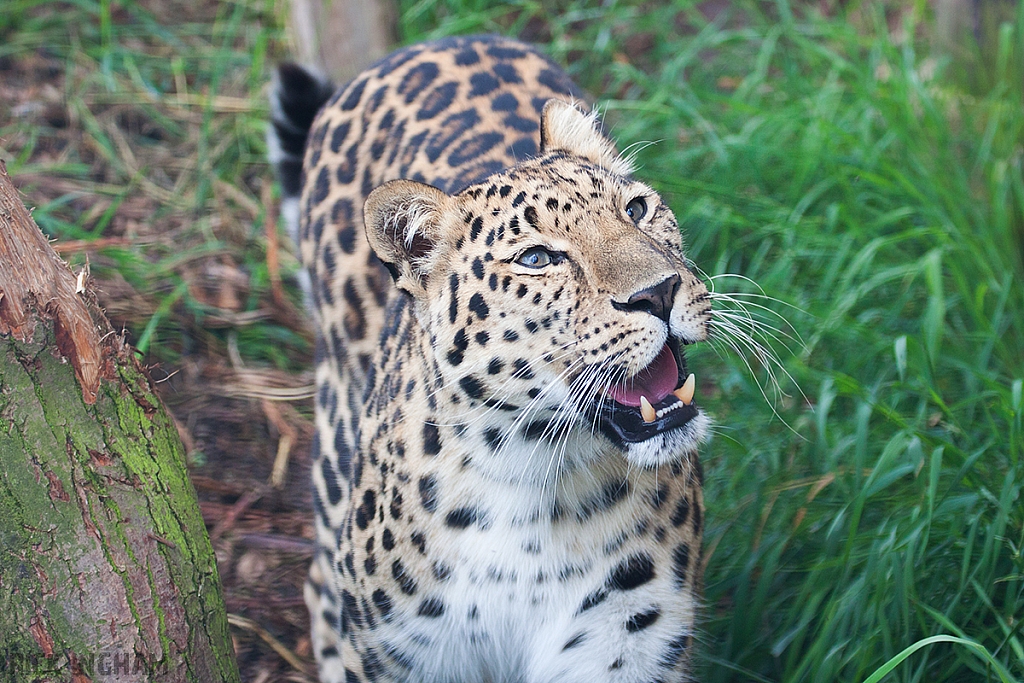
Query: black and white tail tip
[[295, 98]]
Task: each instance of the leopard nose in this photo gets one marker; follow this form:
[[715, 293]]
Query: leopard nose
[[656, 300]]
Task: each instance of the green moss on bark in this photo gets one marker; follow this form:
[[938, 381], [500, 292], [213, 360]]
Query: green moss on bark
[[104, 551]]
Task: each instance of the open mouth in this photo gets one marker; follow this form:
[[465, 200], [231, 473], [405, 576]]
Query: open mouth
[[657, 399]]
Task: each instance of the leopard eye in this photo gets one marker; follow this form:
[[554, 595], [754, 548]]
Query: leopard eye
[[537, 257], [636, 209]]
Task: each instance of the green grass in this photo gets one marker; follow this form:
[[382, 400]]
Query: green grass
[[154, 133], [870, 514]]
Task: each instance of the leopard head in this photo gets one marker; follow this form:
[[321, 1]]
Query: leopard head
[[555, 293]]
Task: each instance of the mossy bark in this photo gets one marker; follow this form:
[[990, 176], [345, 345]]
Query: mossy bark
[[106, 569]]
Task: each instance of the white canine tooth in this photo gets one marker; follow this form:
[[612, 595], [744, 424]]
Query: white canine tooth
[[685, 392], [647, 410]]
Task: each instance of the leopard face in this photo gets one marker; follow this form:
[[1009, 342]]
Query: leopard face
[[555, 294]]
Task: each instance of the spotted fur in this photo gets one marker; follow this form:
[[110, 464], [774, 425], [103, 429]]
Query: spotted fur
[[475, 523]]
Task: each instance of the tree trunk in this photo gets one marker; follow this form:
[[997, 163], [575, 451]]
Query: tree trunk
[[341, 37], [106, 570]]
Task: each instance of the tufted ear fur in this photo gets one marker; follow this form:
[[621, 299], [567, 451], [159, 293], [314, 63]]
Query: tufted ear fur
[[564, 127], [403, 225]]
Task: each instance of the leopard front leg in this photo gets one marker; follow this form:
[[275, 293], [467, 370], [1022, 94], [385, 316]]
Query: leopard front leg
[[323, 603]]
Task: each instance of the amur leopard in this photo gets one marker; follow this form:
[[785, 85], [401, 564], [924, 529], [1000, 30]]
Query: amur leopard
[[507, 486]]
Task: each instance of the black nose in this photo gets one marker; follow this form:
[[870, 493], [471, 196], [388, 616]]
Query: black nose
[[656, 300]]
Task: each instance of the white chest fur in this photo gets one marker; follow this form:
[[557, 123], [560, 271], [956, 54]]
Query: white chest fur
[[529, 590]]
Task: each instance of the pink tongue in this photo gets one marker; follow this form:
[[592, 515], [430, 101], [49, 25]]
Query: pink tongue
[[656, 381]]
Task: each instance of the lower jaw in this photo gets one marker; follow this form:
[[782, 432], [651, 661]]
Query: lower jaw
[[674, 448], [623, 425]]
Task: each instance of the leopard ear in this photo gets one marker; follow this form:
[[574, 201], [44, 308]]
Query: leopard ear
[[565, 127], [403, 226]]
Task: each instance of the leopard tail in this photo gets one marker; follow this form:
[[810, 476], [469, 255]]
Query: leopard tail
[[297, 94]]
